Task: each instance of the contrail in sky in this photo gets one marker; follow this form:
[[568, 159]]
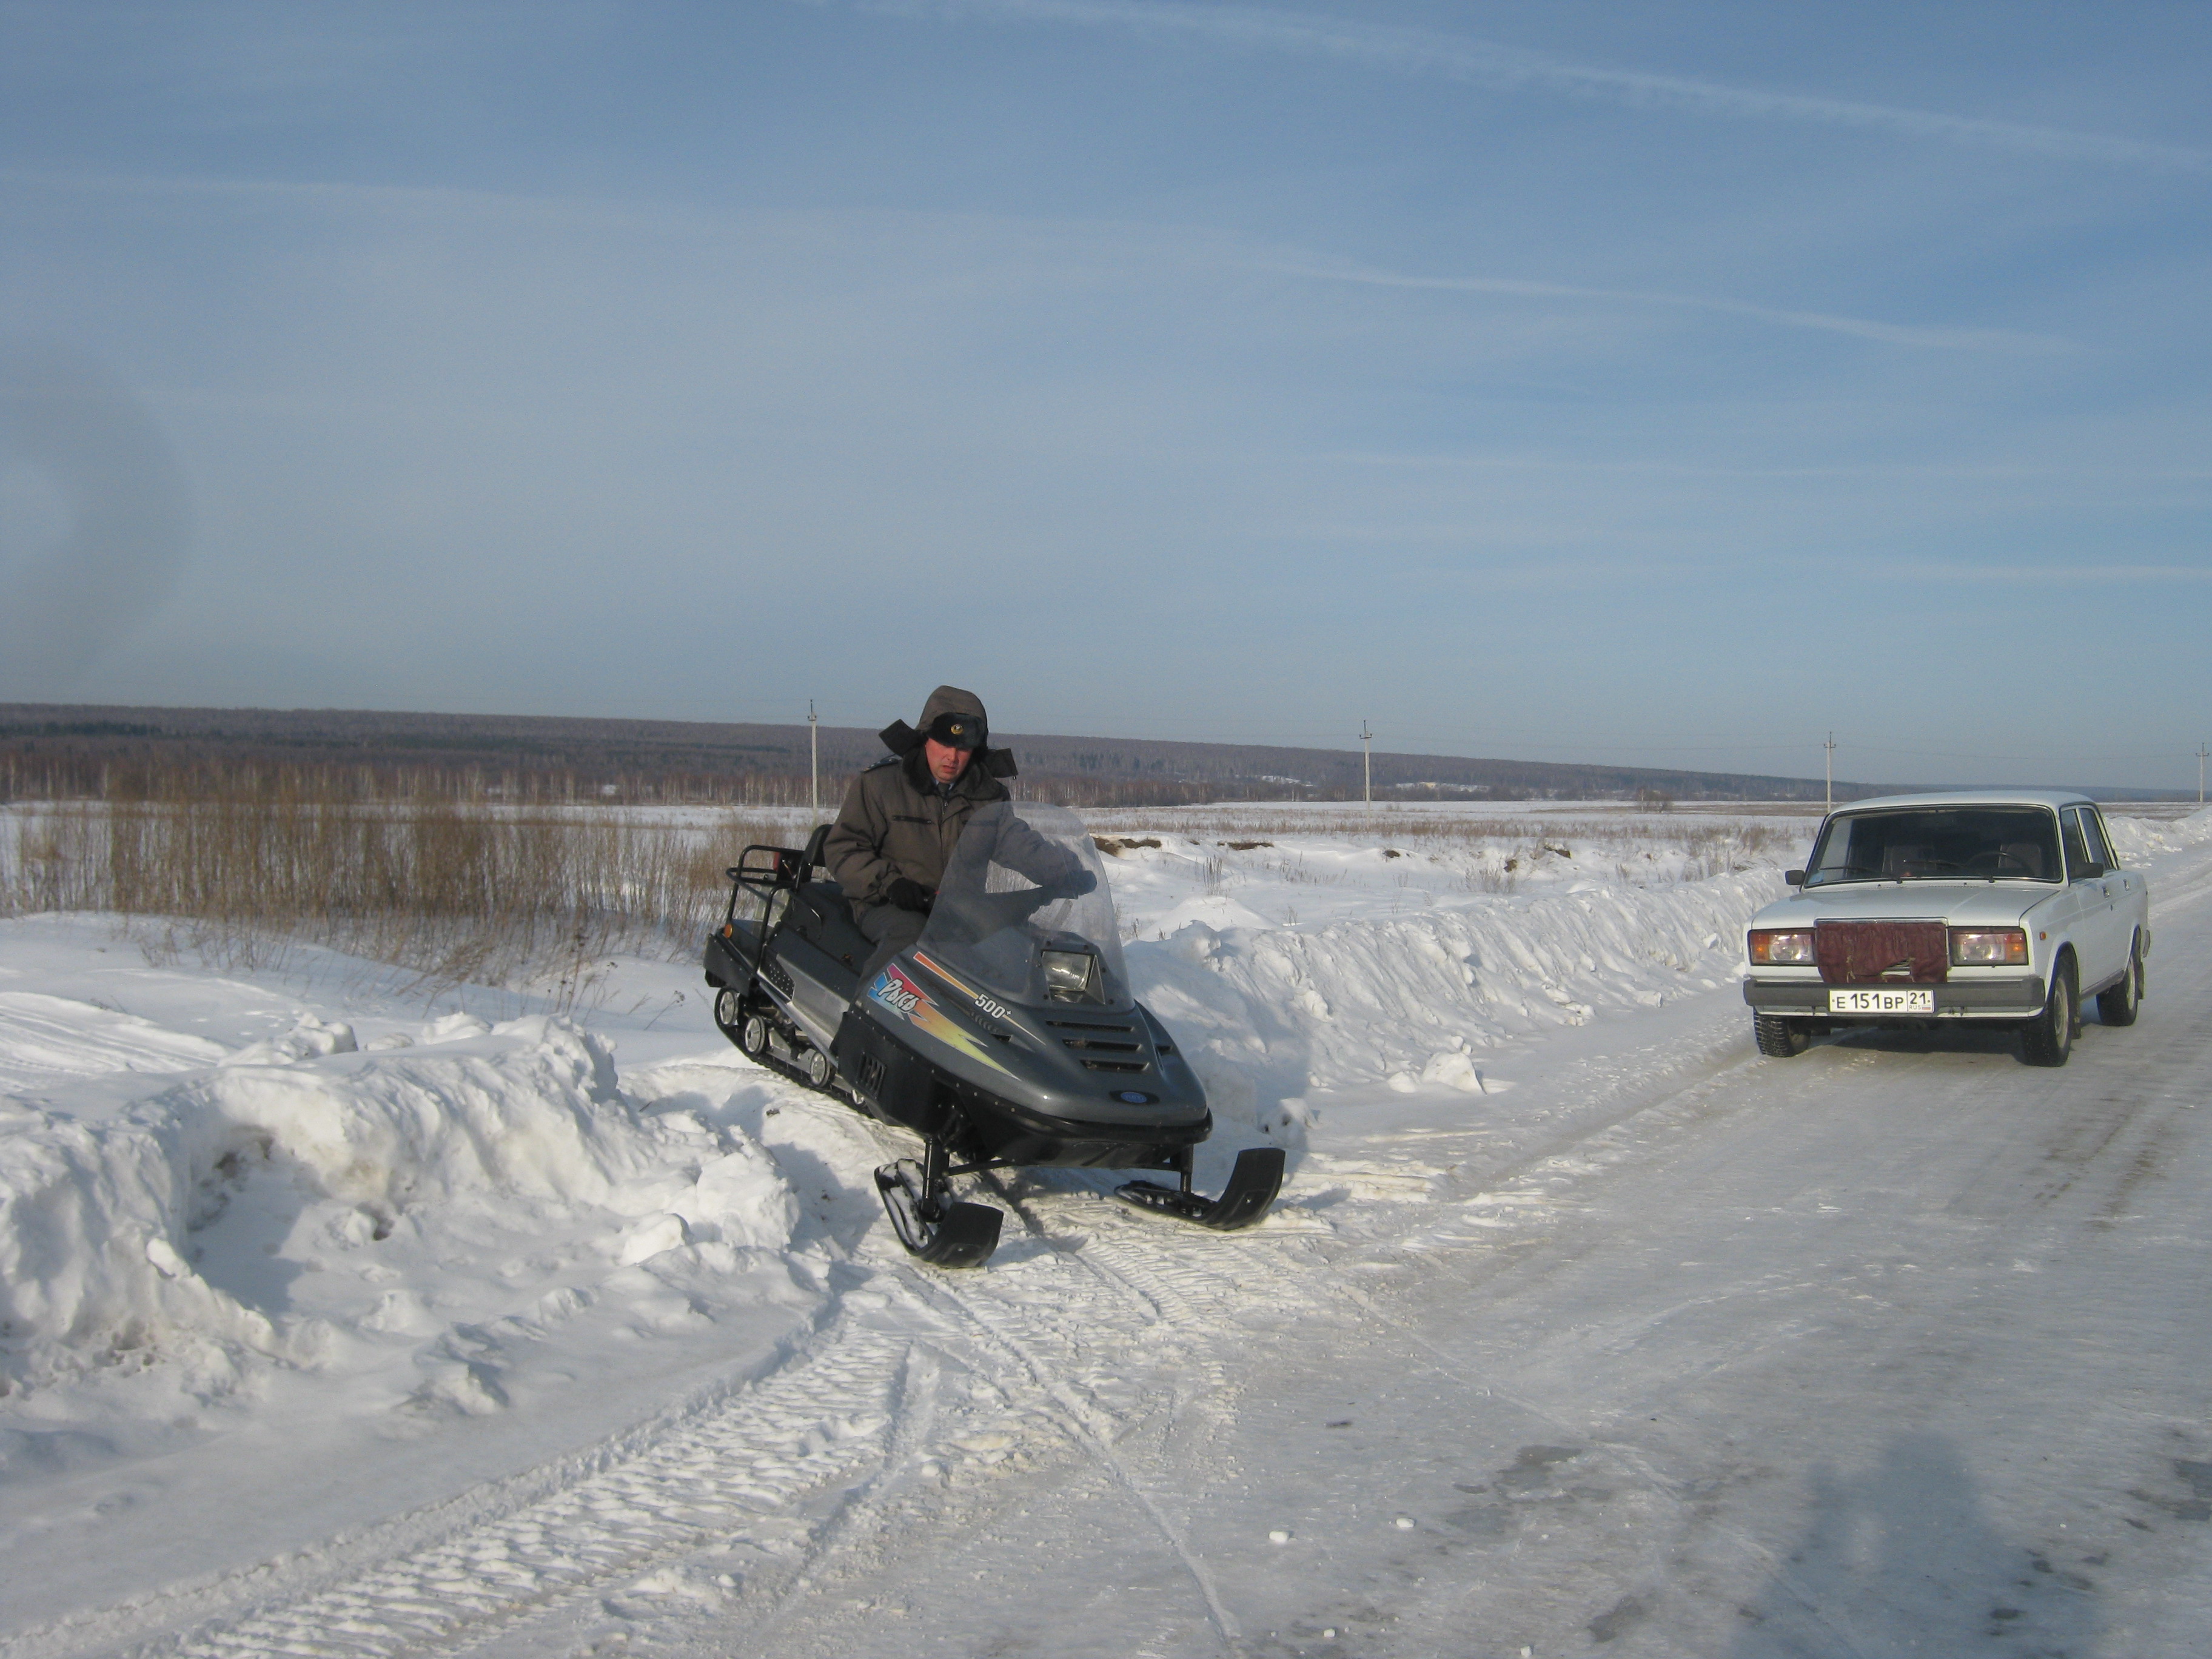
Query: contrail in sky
[[1947, 339], [1483, 62]]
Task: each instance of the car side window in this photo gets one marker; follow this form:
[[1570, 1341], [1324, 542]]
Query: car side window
[[2077, 846], [2093, 830]]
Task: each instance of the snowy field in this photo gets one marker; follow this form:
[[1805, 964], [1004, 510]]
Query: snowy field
[[340, 1316]]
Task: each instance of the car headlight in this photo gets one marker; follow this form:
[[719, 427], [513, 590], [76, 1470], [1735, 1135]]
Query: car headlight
[[1988, 947], [1780, 950], [1069, 974]]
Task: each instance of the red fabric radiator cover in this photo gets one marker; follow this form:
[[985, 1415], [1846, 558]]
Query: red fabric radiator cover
[[1861, 952]]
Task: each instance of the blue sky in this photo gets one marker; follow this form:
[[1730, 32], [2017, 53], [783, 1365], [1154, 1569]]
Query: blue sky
[[1657, 384]]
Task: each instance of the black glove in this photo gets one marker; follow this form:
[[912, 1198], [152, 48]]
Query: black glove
[[910, 895], [1076, 882]]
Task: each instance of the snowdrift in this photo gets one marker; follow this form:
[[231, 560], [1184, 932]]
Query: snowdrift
[[2139, 841], [1413, 999], [106, 1223]]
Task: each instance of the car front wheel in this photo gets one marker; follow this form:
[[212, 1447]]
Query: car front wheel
[[1779, 1038], [2048, 1039], [2119, 1005]]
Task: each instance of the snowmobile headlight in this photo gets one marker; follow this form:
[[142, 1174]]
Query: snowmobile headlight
[[1069, 976]]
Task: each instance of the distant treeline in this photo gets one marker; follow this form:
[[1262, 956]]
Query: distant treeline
[[53, 751]]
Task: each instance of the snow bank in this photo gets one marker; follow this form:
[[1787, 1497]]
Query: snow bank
[[1410, 1000], [2140, 840], [520, 1122]]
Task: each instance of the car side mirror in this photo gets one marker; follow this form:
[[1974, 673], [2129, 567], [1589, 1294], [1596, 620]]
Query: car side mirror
[[1794, 877]]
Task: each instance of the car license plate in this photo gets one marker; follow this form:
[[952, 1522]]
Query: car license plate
[[1904, 1000]]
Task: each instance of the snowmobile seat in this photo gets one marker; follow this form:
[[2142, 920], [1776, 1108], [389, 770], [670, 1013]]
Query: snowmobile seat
[[821, 915]]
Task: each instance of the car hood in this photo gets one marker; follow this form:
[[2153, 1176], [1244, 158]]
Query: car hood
[[1961, 903]]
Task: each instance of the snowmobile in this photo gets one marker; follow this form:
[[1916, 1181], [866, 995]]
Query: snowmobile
[[1005, 1037]]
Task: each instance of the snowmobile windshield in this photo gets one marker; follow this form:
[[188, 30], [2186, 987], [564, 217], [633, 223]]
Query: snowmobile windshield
[[1024, 913]]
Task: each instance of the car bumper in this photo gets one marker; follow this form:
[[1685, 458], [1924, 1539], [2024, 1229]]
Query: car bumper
[[1985, 999]]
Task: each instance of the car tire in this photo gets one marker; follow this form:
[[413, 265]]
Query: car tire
[[1779, 1038], [2048, 1039], [2118, 1004]]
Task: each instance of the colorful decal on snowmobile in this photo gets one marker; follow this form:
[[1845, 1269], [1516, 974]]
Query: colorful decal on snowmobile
[[995, 1009], [900, 994]]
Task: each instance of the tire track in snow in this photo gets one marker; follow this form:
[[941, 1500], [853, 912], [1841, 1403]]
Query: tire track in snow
[[1029, 1332], [804, 1427], [1176, 1291], [860, 1398]]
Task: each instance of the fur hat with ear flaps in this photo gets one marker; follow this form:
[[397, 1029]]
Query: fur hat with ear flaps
[[955, 708]]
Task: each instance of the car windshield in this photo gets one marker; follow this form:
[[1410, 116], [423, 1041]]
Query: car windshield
[[1024, 912], [1938, 843]]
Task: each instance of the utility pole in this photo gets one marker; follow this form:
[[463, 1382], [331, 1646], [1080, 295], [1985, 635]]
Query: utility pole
[[1366, 764], [2200, 752], [1831, 747], [814, 758]]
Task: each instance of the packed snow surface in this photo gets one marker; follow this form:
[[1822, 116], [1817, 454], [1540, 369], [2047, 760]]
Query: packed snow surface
[[333, 1321]]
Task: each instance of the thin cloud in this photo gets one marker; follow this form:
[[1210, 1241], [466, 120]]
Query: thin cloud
[[2088, 576], [1513, 69], [1945, 339], [2131, 476]]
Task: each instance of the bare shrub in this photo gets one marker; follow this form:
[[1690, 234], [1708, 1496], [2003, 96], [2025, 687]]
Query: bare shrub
[[453, 889]]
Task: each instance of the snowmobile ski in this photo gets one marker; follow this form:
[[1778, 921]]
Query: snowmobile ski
[[1252, 1187], [936, 1228]]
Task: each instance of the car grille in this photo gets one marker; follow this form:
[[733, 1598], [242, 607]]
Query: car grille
[[1882, 952]]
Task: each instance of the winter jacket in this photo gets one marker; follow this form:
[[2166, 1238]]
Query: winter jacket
[[895, 823]]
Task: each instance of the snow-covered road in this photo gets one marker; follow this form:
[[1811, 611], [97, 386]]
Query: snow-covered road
[[1901, 1346], [1897, 1348]]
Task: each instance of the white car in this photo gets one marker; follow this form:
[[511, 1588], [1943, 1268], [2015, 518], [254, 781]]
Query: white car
[[1982, 905]]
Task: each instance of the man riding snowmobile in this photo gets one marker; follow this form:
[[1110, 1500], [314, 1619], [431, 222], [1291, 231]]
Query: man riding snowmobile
[[903, 816], [961, 978]]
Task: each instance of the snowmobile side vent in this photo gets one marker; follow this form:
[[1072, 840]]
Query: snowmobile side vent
[[1085, 1026], [1115, 1064]]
